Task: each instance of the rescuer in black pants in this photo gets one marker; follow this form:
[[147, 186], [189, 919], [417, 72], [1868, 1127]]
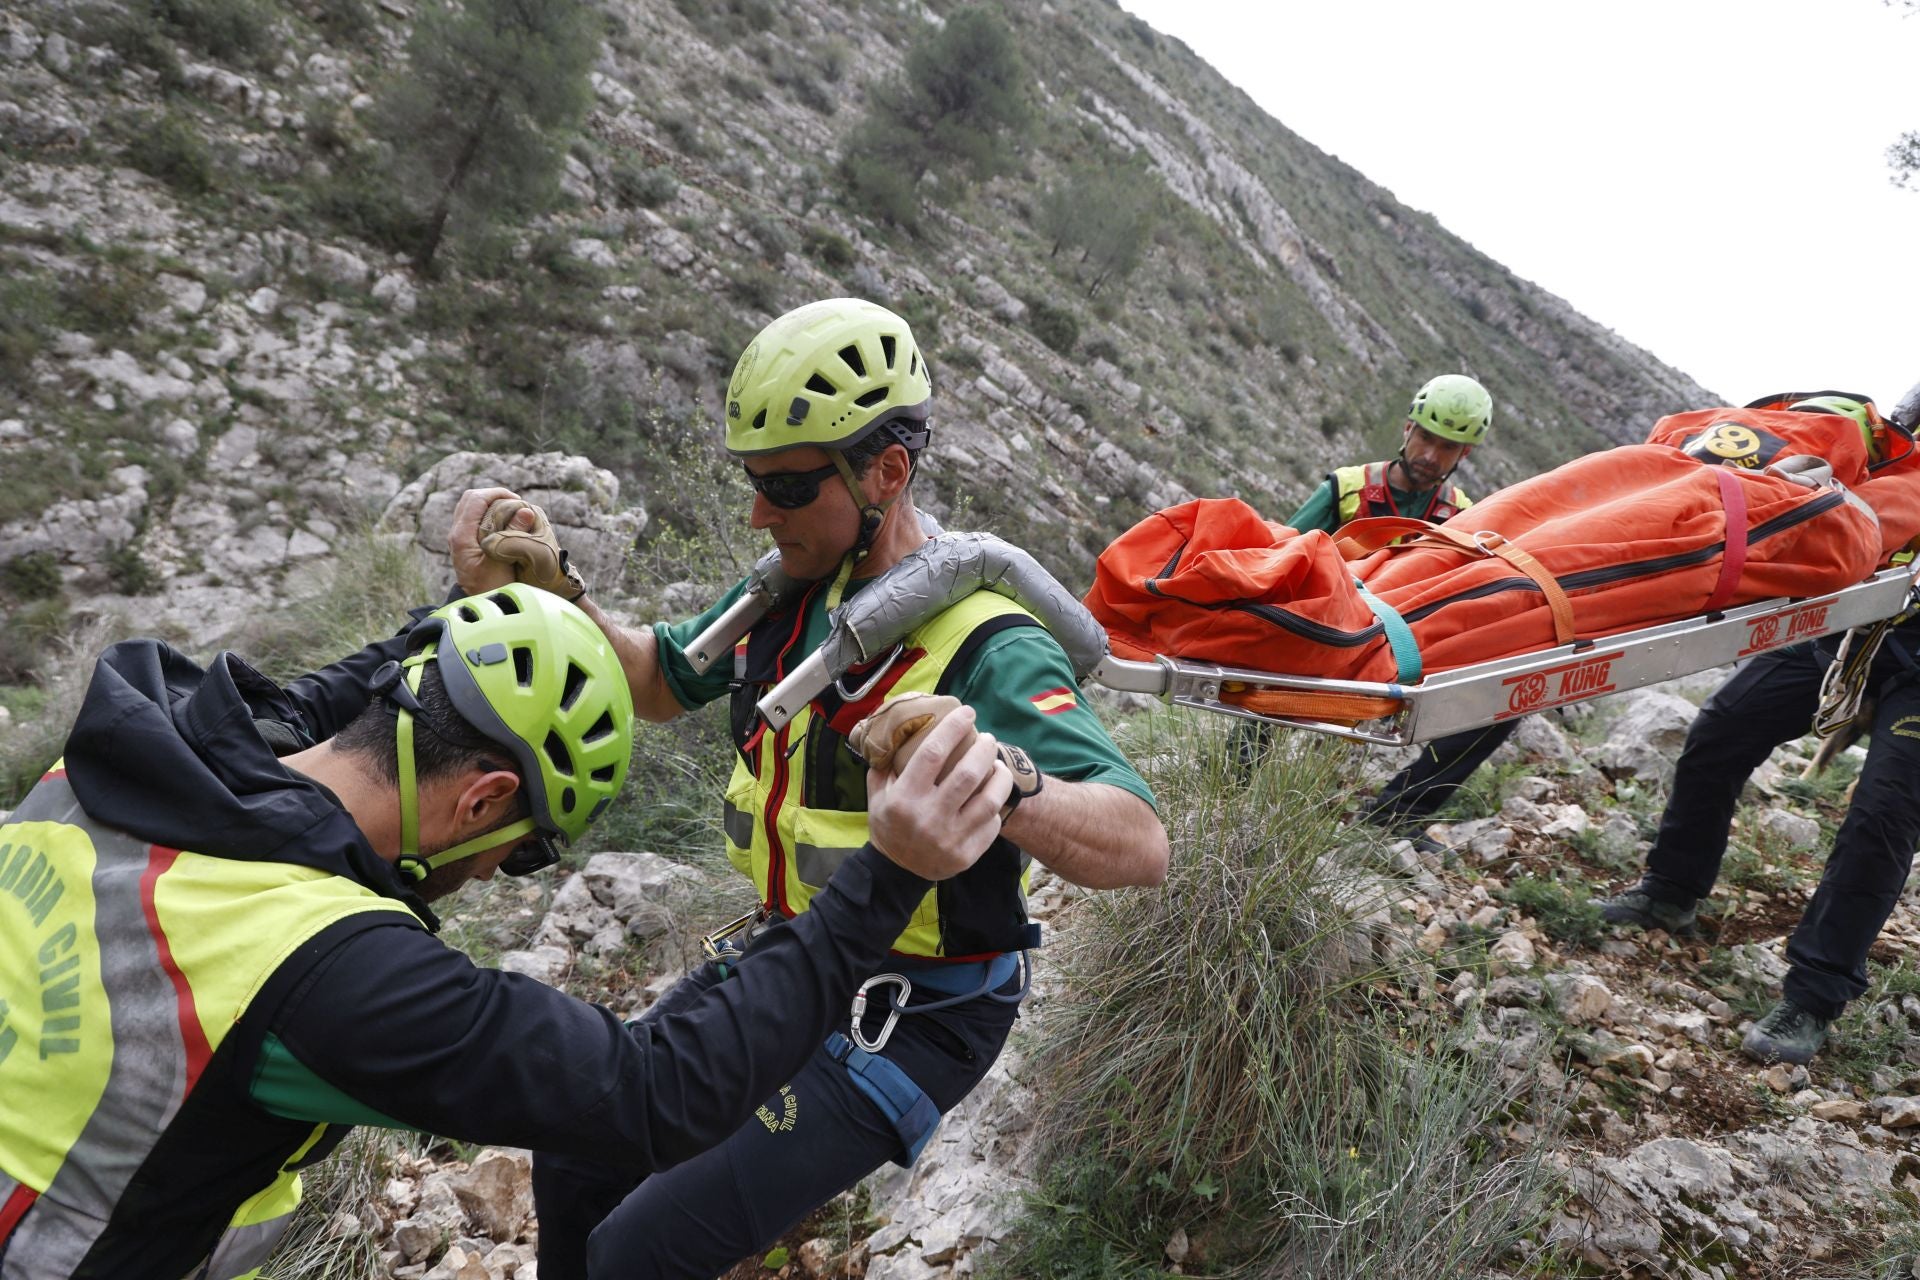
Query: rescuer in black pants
[[1772, 700]]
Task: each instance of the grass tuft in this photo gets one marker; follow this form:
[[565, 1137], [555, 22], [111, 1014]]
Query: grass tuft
[[1223, 1063]]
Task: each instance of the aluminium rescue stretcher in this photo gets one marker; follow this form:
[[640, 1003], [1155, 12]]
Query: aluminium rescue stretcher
[[1490, 692], [1471, 694]]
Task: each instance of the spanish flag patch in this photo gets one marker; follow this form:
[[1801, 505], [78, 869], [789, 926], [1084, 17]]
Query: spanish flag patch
[[1054, 701]]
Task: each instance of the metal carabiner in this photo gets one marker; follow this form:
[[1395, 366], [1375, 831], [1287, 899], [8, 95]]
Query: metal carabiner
[[866, 686], [710, 944], [893, 1013]]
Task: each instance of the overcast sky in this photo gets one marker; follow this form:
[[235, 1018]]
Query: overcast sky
[[1706, 177]]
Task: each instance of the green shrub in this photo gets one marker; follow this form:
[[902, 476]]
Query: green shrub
[[881, 189], [33, 576], [131, 31], [757, 288], [1056, 326], [129, 573], [363, 202], [644, 186], [233, 30], [770, 232], [169, 148], [347, 21], [829, 248], [29, 311], [1102, 349], [1560, 905], [686, 135], [105, 301]]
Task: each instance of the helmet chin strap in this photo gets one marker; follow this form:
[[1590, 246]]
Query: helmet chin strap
[[872, 515], [411, 863]]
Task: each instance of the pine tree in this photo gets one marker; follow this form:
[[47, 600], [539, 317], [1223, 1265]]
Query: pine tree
[[480, 118]]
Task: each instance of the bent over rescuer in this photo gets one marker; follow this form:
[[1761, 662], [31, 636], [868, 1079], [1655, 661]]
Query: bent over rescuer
[[216, 954]]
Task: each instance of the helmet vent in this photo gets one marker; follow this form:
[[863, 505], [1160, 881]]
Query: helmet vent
[[821, 387], [566, 800], [759, 420], [557, 754], [603, 774], [523, 666], [469, 614], [888, 348], [913, 366], [876, 396], [504, 602], [851, 354], [575, 685], [601, 728]]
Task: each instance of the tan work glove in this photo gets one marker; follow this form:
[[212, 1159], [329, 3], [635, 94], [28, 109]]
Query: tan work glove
[[535, 554], [887, 739]]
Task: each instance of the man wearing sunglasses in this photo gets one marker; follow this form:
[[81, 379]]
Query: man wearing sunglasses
[[216, 953], [828, 411]]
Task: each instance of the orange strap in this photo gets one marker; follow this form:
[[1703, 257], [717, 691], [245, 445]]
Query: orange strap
[[1363, 537]]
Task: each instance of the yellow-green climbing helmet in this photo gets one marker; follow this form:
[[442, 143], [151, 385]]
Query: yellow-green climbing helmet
[[828, 374], [1845, 406], [1453, 407], [533, 673]]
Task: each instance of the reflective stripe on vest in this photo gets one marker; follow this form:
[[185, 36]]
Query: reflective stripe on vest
[[123, 966], [1363, 491], [791, 850]]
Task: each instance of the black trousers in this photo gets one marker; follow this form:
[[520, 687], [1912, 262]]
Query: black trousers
[[1416, 793], [814, 1139], [1769, 701]]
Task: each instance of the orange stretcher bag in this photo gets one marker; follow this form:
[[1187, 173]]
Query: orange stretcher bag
[[1722, 507]]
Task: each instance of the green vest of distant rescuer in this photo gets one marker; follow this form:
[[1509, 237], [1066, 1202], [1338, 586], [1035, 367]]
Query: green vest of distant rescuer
[[123, 966], [1362, 491]]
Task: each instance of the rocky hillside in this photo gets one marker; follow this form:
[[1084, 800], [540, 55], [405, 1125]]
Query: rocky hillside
[[212, 366]]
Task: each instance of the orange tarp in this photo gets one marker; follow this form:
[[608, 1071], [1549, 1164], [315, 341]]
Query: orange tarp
[[1626, 538]]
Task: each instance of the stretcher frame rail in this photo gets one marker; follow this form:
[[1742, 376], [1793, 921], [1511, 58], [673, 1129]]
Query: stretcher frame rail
[[1486, 693]]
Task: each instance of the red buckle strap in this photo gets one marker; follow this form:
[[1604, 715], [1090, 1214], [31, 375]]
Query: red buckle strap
[[1733, 496]]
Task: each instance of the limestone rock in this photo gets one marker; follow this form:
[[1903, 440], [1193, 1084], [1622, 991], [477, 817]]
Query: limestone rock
[[1580, 998], [543, 964], [1898, 1113], [582, 500], [395, 292], [1647, 736], [497, 1192], [1793, 830], [1509, 952]]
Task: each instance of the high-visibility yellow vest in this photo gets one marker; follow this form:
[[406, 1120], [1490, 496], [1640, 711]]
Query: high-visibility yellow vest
[[1363, 491], [123, 967], [796, 805]]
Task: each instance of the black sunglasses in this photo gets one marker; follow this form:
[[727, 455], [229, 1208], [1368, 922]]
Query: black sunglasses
[[791, 490], [529, 856]]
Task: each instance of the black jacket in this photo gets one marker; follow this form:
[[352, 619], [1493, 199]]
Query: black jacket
[[407, 1030]]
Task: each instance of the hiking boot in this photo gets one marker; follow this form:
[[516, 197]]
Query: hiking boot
[[1787, 1034], [1637, 906]]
